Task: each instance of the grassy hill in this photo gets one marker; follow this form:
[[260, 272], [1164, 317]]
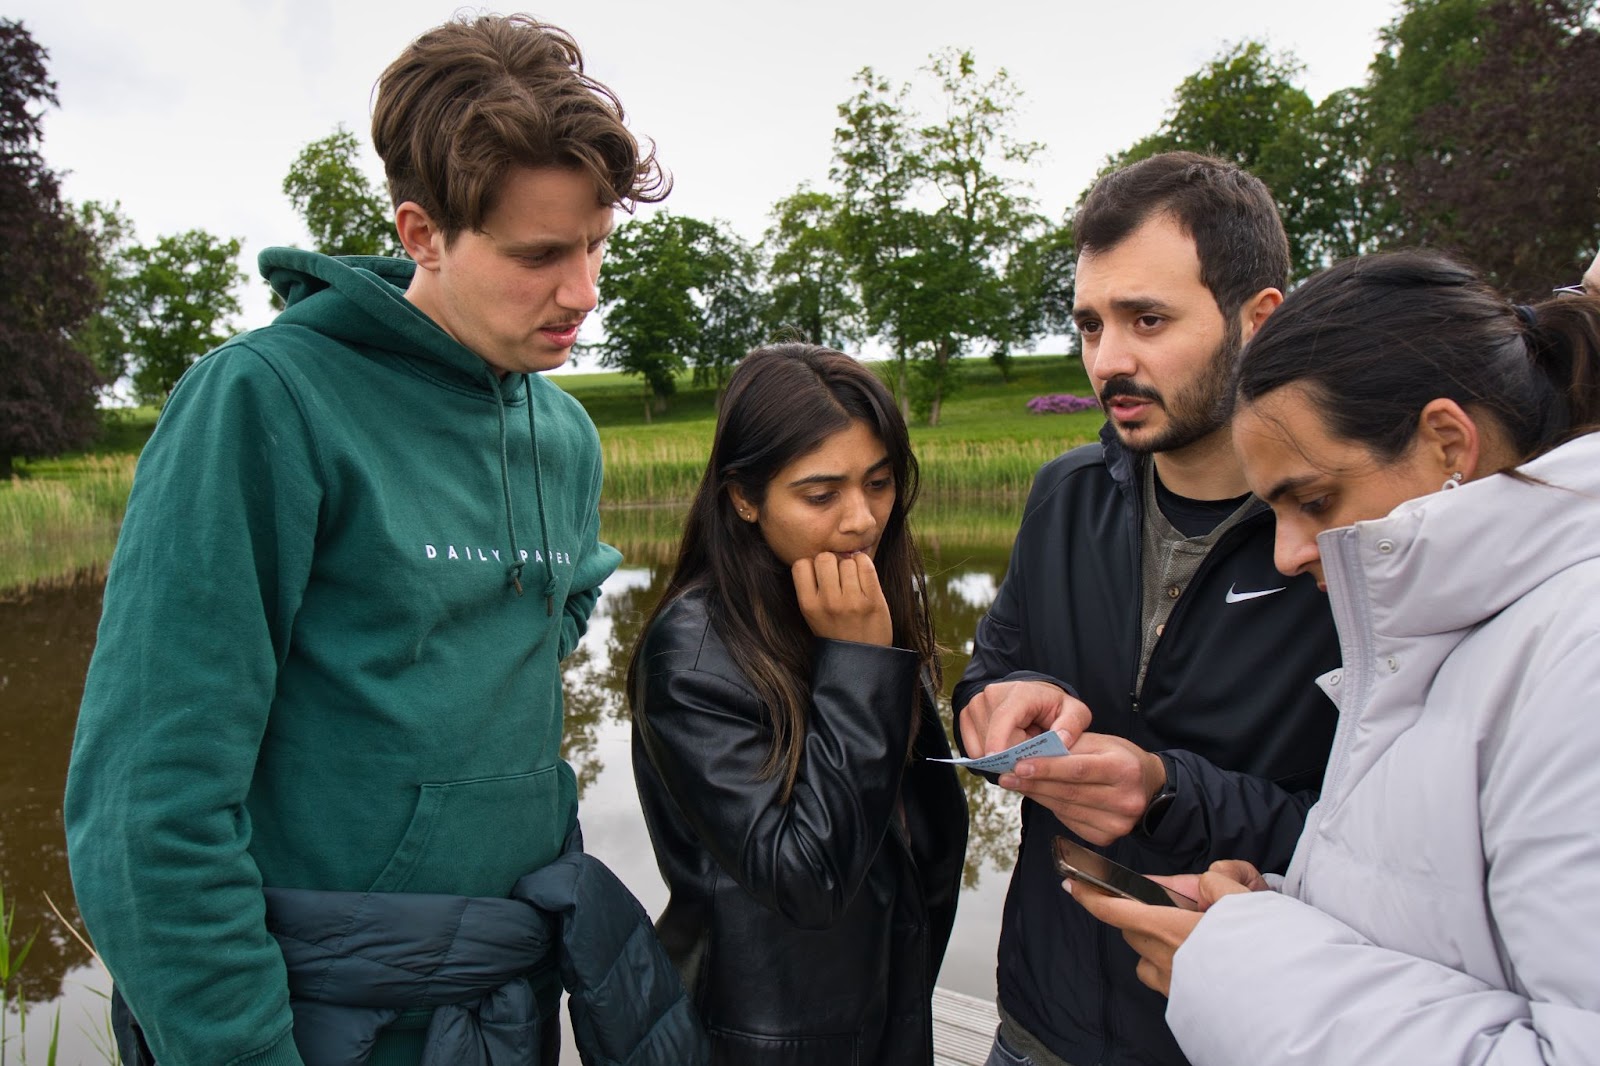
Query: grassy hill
[[988, 441]]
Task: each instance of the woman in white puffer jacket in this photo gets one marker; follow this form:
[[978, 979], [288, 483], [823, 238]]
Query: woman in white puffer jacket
[[1443, 905]]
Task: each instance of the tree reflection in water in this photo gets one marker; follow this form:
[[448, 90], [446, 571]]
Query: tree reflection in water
[[46, 635]]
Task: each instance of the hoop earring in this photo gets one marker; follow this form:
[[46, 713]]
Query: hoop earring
[[1452, 482]]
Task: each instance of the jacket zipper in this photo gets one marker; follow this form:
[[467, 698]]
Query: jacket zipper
[[1107, 1017], [1354, 670], [919, 909], [1206, 565]]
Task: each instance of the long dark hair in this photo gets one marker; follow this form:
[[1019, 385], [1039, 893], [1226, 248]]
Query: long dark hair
[[782, 402], [1373, 340]]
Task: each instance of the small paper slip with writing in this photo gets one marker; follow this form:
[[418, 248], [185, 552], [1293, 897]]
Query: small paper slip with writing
[[1002, 761]]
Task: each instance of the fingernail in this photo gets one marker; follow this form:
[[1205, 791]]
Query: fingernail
[[1009, 781], [1066, 886]]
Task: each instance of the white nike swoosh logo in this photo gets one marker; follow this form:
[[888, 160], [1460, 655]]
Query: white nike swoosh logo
[[1240, 597]]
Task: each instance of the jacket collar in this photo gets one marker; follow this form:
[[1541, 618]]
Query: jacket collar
[[1450, 560], [1126, 468], [1122, 464]]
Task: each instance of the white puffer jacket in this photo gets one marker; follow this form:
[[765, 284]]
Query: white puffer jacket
[[1444, 902]]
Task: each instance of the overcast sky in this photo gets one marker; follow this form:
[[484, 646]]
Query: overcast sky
[[190, 113]]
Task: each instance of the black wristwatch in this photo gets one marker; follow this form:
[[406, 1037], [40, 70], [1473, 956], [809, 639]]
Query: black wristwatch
[[1156, 809]]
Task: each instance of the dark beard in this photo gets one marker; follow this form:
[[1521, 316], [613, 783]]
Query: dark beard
[[1196, 411]]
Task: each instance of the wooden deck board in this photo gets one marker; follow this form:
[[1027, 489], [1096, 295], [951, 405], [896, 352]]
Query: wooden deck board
[[963, 1028]]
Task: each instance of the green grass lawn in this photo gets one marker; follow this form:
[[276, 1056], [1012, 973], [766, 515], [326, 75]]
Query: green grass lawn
[[985, 408]]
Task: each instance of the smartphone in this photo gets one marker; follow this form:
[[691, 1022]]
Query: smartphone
[[1092, 868]]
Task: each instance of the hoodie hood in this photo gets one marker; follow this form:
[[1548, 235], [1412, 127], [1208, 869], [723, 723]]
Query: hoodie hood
[[1450, 560], [360, 300]]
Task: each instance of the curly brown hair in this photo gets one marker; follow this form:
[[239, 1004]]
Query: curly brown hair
[[474, 97]]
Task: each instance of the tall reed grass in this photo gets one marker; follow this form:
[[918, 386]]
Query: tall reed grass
[[50, 527], [962, 469], [54, 527], [668, 468], [649, 533], [13, 953], [653, 469]]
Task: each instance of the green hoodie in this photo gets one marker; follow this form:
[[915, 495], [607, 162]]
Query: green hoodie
[[351, 563]]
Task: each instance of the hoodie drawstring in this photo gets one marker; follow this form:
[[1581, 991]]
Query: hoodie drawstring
[[515, 570], [517, 563], [538, 495]]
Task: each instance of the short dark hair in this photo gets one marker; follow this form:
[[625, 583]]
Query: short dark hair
[[1224, 208], [782, 402], [1374, 340], [472, 98]]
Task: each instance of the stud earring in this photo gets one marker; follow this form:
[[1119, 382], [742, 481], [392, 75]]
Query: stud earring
[[1453, 481]]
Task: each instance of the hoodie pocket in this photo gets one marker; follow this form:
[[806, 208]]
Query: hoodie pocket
[[477, 837]]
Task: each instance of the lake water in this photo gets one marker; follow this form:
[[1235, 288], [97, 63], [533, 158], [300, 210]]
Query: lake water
[[46, 638]]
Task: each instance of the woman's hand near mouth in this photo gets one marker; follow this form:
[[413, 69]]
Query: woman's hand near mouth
[[841, 599]]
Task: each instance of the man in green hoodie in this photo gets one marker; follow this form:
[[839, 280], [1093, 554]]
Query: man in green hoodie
[[360, 542]]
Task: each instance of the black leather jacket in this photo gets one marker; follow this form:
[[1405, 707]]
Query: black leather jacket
[[1228, 698], [809, 931]]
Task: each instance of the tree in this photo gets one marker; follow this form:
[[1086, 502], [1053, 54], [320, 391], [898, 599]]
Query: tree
[[47, 388], [1039, 281], [933, 277], [678, 293], [333, 197], [160, 307], [1245, 106], [1506, 169], [810, 291], [179, 298], [103, 337], [734, 304], [1338, 206], [987, 216], [877, 169], [1423, 52], [1236, 107]]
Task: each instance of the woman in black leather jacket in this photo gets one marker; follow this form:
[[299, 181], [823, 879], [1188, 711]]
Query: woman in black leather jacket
[[784, 709]]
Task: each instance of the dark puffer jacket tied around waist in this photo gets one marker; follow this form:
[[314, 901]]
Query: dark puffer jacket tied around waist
[[358, 960]]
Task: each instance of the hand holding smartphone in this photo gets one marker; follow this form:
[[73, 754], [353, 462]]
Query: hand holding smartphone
[[1094, 869]]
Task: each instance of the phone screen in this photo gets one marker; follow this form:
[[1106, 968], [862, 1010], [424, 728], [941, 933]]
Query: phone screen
[[1092, 868]]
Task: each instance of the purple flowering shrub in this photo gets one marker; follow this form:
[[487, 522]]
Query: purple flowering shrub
[[1061, 403]]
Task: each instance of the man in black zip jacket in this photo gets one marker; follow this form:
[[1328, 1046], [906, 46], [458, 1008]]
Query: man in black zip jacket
[[1142, 615]]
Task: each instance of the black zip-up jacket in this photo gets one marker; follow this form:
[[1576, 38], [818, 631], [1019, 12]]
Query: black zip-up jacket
[[1228, 698], [808, 931]]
